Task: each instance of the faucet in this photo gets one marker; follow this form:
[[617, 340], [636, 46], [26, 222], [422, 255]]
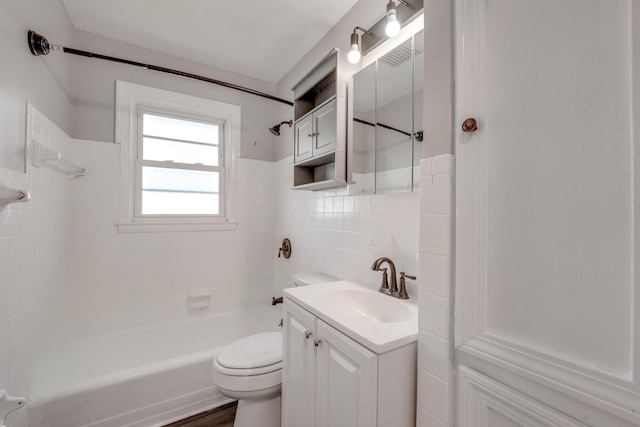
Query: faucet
[[384, 287], [392, 289]]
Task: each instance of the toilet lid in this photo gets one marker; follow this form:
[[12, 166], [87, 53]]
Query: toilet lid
[[254, 351]]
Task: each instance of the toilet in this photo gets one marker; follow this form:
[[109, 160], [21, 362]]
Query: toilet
[[250, 370]]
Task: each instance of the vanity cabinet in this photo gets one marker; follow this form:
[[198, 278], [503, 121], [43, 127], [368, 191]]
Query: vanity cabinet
[[329, 379], [320, 128]]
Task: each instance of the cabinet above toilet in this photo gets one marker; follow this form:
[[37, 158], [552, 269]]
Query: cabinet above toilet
[[320, 125]]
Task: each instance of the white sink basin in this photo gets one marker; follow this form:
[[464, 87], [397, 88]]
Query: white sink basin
[[366, 304], [379, 322]]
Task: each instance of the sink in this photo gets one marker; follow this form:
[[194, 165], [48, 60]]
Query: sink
[[379, 322], [366, 304]]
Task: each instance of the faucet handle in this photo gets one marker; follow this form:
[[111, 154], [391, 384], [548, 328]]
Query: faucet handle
[[403, 275], [402, 293], [384, 285]]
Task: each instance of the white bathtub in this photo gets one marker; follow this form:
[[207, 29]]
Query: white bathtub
[[144, 376]]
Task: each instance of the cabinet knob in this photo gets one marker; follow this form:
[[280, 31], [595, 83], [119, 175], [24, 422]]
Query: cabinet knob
[[311, 135], [470, 125], [317, 342], [307, 334]]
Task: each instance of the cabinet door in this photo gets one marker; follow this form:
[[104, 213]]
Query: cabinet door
[[299, 367], [536, 258], [347, 381], [303, 143], [325, 129]]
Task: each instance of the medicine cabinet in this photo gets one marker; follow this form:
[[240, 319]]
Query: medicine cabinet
[[385, 120]]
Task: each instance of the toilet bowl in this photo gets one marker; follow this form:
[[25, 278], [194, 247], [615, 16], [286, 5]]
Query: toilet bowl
[[250, 370]]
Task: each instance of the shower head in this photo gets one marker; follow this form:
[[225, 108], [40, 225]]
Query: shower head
[[276, 129]]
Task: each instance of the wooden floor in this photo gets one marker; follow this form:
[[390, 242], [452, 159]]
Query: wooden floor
[[222, 416]]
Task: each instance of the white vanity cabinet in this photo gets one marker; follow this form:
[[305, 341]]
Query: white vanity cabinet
[[299, 367], [330, 380]]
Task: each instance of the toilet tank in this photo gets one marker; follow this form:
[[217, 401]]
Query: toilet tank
[[304, 279]]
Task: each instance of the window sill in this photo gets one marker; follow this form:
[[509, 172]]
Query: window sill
[[165, 227]]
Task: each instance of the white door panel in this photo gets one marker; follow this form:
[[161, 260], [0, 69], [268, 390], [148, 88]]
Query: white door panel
[[545, 243]]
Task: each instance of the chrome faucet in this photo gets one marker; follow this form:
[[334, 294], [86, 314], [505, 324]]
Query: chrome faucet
[[392, 289], [384, 287]]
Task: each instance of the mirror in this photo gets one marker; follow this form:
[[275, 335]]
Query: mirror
[[418, 94], [364, 130], [394, 119], [386, 121]]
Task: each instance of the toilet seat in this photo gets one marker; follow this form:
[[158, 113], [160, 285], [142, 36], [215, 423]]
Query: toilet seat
[[246, 372], [253, 355]]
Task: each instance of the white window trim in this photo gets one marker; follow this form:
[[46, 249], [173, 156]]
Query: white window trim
[[130, 98]]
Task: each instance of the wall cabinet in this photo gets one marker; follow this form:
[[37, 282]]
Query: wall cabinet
[[320, 126], [316, 134], [329, 379]]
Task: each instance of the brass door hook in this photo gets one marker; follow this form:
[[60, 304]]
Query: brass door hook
[[285, 249]]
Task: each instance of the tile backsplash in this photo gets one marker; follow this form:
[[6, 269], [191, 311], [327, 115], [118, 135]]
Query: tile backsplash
[[341, 235]]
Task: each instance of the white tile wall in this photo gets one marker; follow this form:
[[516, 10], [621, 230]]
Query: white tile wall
[[119, 280], [435, 368], [331, 232], [33, 249], [66, 271]]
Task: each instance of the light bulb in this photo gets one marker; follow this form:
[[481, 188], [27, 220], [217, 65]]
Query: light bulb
[[354, 54], [393, 26]]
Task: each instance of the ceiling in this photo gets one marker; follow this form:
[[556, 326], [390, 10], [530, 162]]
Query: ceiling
[[256, 38]]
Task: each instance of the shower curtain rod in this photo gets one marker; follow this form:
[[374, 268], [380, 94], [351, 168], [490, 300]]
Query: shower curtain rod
[[39, 45]]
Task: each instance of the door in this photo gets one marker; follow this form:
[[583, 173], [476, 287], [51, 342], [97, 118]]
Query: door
[[303, 140], [547, 321], [298, 367], [325, 130], [346, 381]]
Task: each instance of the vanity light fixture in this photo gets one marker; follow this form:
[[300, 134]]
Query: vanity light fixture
[[393, 25], [354, 54], [276, 129]]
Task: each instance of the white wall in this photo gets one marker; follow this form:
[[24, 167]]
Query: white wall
[[94, 92], [34, 247], [31, 234], [119, 280], [435, 359], [45, 82]]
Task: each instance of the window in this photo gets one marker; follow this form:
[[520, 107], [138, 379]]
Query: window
[[177, 157], [179, 165]]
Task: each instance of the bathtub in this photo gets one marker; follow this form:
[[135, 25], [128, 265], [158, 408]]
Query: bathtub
[[143, 376]]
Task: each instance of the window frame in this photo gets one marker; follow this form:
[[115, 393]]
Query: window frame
[[133, 100]]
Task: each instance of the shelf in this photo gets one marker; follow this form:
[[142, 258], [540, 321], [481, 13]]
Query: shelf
[[318, 161], [321, 93], [320, 185]]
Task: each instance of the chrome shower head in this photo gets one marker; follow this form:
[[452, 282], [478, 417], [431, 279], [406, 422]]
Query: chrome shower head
[[276, 129]]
